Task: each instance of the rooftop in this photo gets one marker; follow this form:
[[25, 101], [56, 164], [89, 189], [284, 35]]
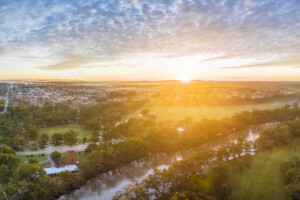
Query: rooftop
[[54, 170]]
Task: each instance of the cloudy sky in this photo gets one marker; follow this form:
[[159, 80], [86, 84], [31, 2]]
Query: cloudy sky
[[106, 40]]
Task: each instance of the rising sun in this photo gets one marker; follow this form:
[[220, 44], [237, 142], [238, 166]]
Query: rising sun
[[185, 78]]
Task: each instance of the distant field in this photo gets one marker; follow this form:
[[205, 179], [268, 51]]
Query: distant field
[[25, 159], [82, 131], [263, 179], [202, 112]]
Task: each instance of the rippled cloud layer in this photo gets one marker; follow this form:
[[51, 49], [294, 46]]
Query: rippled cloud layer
[[62, 35]]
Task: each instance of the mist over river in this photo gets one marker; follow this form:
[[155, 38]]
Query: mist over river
[[106, 185]]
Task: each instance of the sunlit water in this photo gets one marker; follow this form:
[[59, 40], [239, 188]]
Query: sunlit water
[[105, 186]]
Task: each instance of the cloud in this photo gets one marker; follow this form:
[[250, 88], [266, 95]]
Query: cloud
[[77, 62], [101, 28], [281, 62], [222, 58]]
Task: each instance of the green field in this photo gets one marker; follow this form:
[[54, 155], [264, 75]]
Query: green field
[[82, 131], [263, 179], [202, 112], [25, 159]]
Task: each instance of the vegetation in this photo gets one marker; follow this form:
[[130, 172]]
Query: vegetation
[[32, 126], [262, 180], [291, 177], [199, 112], [211, 175], [26, 159], [55, 155], [82, 131]]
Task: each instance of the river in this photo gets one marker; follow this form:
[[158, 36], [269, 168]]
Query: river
[[106, 185]]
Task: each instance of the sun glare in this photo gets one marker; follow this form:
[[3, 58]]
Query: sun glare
[[186, 78]]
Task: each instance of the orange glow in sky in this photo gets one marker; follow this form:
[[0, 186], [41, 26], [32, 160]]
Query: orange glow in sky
[[150, 40]]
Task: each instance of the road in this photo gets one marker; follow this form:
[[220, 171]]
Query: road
[[6, 100], [48, 160], [50, 148]]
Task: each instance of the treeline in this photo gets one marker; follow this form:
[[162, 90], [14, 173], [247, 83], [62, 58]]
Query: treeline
[[208, 175], [164, 136], [20, 123], [211, 99], [203, 176], [290, 171], [145, 135], [285, 133], [106, 114]]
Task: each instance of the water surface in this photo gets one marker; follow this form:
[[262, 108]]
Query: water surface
[[106, 185]]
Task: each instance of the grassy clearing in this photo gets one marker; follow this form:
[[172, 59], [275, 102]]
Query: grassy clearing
[[25, 159], [81, 156], [201, 112], [82, 131], [263, 179]]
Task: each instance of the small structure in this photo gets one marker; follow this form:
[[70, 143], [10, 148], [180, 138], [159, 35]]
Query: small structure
[[71, 158], [180, 130], [53, 171]]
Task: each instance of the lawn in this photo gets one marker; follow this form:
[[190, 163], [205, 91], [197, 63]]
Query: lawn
[[202, 112], [25, 159], [82, 131], [263, 179]]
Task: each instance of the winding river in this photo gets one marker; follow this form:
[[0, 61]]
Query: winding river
[[106, 185]]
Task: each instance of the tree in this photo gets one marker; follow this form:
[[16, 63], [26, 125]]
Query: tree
[[32, 131], [55, 155], [32, 190], [10, 160], [291, 172], [90, 148], [145, 112], [70, 137], [11, 190], [69, 180], [7, 150], [57, 139], [44, 138], [84, 140], [133, 192], [33, 161], [295, 105], [30, 172], [5, 173]]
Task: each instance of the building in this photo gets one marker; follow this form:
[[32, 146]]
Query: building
[[53, 171], [71, 158]]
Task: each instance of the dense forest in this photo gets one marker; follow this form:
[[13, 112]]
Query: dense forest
[[140, 136]]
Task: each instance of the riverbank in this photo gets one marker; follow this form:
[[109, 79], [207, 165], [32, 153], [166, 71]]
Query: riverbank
[[106, 185]]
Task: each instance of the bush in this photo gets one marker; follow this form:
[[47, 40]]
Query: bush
[[55, 155]]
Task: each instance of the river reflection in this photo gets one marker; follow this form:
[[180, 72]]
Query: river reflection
[[106, 185]]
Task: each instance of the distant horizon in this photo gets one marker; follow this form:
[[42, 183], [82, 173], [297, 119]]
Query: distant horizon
[[121, 81]]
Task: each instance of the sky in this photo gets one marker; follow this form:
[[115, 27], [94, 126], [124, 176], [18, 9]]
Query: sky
[[135, 40]]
